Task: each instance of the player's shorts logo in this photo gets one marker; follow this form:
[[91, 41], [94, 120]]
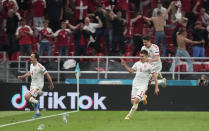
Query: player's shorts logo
[[18, 101]]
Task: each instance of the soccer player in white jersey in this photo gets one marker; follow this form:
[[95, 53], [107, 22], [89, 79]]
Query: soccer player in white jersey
[[143, 71], [154, 57], [37, 72]]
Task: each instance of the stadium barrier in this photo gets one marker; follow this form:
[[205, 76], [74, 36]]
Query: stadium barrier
[[104, 62], [105, 97]]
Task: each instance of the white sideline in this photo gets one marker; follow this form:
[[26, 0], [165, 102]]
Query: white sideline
[[19, 122]]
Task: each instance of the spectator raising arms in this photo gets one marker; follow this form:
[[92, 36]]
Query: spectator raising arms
[[181, 51], [158, 22], [11, 27]]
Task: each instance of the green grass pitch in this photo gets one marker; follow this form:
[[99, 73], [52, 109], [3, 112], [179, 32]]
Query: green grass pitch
[[108, 121]]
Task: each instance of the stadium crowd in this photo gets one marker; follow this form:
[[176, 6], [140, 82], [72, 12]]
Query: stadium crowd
[[101, 27]]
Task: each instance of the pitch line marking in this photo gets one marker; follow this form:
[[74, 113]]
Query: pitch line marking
[[19, 122]]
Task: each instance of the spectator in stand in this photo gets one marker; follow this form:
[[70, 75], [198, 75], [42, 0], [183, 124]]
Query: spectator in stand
[[7, 5], [202, 15], [62, 39], [24, 34], [81, 37], [54, 10], [108, 28], [181, 51], [25, 10], [102, 31], [158, 22], [137, 24], [178, 23], [45, 34], [38, 12], [123, 7], [205, 4], [11, 27], [198, 35], [162, 10], [118, 32], [91, 29]]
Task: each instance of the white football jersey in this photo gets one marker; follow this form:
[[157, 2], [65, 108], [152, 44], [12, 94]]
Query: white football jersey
[[143, 72], [152, 52], [37, 74]]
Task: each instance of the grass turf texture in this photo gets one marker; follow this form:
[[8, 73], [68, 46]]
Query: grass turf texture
[[109, 121]]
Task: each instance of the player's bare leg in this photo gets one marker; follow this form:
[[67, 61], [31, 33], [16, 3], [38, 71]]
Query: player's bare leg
[[133, 109], [163, 80], [34, 102]]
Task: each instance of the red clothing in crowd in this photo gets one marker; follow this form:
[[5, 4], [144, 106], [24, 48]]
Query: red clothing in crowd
[[82, 41], [7, 5], [138, 26], [38, 8], [26, 37], [43, 32], [62, 37], [81, 9], [186, 6]]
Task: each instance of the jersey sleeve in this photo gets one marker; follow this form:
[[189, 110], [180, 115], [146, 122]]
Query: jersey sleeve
[[42, 69], [95, 25], [156, 50], [143, 47], [134, 67], [56, 33]]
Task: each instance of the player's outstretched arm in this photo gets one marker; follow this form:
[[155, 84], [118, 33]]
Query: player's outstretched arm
[[127, 67], [23, 76], [156, 83], [51, 85]]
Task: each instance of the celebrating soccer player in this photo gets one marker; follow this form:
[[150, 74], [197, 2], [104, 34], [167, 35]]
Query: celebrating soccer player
[[37, 72], [143, 71]]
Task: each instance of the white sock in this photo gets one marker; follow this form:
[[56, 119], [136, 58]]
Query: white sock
[[33, 100], [37, 111], [133, 109]]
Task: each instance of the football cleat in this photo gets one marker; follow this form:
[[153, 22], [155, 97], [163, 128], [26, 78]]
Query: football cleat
[[164, 83], [127, 118], [36, 115], [145, 100]]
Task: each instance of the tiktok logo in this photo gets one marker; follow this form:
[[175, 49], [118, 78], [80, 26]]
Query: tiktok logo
[[19, 96]]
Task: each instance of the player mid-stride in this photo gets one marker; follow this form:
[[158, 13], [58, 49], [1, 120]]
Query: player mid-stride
[[37, 72], [143, 71]]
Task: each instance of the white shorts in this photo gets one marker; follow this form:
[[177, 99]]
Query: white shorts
[[157, 70], [138, 92], [34, 90]]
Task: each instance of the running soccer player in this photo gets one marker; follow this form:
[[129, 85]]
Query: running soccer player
[[143, 71], [37, 72]]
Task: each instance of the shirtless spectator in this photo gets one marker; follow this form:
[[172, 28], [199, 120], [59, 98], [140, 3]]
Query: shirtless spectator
[[181, 51], [158, 22], [178, 23], [162, 10]]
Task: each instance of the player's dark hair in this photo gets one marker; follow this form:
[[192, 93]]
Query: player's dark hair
[[36, 55], [144, 52], [146, 37]]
